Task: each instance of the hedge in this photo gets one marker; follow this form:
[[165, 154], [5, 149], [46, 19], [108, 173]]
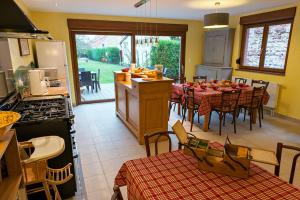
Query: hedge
[[108, 54], [167, 53]]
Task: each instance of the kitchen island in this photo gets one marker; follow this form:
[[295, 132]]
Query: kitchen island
[[142, 104]]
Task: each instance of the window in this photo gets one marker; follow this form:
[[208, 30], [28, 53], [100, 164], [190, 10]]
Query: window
[[265, 42]]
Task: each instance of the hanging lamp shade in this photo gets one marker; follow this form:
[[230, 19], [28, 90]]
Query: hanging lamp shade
[[216, 20]]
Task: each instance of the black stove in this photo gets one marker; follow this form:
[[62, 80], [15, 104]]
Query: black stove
[[46, 116], [37, 110]]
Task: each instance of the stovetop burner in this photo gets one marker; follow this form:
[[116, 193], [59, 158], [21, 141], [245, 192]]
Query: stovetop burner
[[37, 110]]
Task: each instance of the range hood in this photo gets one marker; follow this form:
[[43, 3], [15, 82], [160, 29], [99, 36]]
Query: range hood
[[15, 24]]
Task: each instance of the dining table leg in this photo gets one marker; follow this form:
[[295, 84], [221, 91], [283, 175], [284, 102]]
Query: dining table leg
[[206, 122], [190, 114], [254, 116], [179, 109]]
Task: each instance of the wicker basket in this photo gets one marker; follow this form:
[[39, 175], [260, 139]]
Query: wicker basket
[[7, 119]]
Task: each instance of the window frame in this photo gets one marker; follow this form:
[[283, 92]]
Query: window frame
[[261, 68]]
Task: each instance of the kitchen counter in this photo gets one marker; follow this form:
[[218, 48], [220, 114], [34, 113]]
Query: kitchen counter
[[142, 105], [53, 91]]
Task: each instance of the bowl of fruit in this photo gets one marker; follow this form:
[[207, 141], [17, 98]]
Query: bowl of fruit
[[7, 120]]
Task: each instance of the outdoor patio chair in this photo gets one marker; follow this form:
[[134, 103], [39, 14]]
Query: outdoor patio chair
[[86, 80], [97, 81]]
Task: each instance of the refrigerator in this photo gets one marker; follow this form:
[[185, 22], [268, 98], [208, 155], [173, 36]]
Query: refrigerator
[[52, 57]]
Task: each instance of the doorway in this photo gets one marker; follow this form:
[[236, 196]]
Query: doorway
[[89, 55], [98, 56]]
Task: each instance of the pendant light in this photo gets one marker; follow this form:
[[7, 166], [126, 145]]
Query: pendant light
[[216, 20]]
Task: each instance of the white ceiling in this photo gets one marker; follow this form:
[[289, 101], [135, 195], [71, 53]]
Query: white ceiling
[[177, 9]]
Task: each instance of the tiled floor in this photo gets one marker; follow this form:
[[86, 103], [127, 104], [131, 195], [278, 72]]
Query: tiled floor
[[105, 143]]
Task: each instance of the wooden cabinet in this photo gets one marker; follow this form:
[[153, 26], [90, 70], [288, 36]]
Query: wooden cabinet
[[217, 55], [142, 105], [218, 47], [10, 184], [214, 73]]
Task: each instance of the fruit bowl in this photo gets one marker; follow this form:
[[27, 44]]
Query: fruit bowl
[[7, 119]]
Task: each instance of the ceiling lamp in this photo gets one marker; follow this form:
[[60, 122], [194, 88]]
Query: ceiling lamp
[[216, 20]]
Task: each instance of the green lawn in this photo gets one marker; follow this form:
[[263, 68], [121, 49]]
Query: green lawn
[[106, 75]]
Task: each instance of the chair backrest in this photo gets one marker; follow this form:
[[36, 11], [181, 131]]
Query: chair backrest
[[230, 100], [98, 75], [240, 80], [280, 147], [86, 78], [180, 79], [157, 136], [258, 83], [188, 96], [257, 96], [199, 78], [81, 69]]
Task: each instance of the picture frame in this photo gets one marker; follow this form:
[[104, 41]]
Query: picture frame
[[24, 47]]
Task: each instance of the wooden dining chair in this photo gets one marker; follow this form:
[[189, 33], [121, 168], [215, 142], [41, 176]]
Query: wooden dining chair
[[280, 147], [229, 104], [254, 106], [158, 136], [259, 83], [174, 100], [240, 80], [117, 195], [181, 79], [189, 104], [199, 78]]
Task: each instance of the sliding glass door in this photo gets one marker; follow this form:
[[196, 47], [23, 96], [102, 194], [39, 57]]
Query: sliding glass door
[[166, 52], [98, 55]]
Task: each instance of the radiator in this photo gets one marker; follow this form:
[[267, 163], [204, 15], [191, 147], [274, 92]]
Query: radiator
[[273, 90]]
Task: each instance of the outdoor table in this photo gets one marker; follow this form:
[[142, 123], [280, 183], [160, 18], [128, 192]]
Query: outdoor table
[[208, 98], [93, 74], [176, 176]]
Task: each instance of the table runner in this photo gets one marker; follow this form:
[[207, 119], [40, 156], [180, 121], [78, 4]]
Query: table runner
[[175, 176]]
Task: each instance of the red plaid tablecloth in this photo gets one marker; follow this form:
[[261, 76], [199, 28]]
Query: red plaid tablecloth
[[175, 176], [209, 98]]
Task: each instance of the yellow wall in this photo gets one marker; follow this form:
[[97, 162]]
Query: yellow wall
[[289, 96], [56, 24]]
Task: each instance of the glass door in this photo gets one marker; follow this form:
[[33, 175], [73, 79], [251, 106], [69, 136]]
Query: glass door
[[166, 52], [97, 57]]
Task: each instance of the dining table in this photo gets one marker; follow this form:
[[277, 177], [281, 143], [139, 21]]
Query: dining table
[[210, 97], [176, 176]]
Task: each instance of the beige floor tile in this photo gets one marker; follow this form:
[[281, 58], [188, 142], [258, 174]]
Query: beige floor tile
[[99, 195], [96, 183], [105, 143]]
